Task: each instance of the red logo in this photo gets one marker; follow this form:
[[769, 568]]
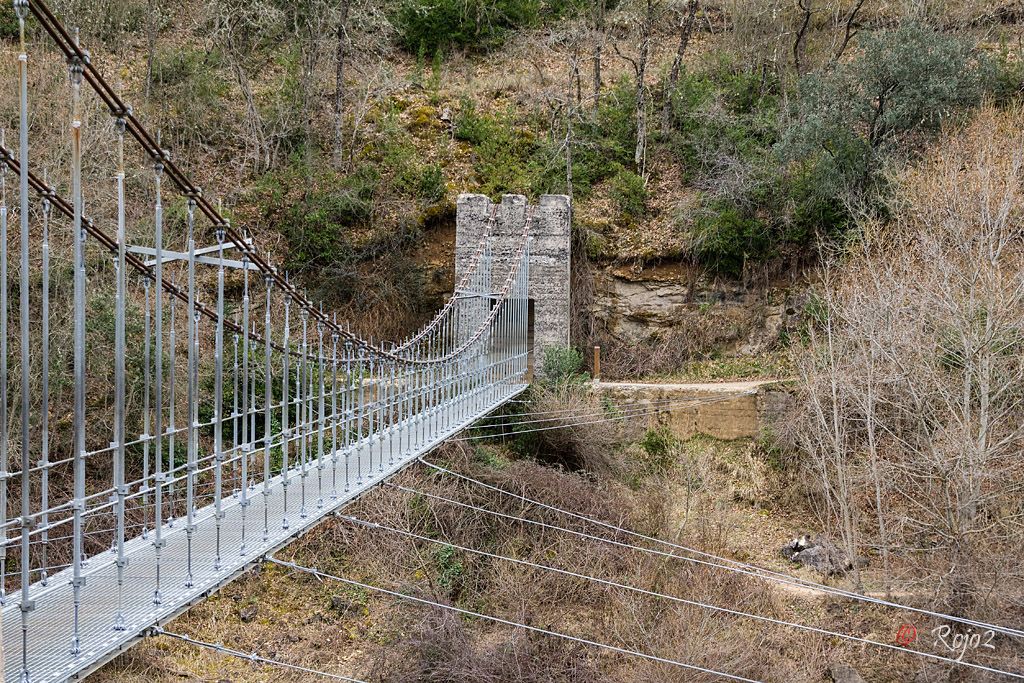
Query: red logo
[[906, 635]]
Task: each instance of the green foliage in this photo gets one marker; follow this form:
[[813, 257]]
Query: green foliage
[[725, 236], [658, 447], [605, 142], [430, 187], [473, 24], [562, 364], [449, 567], [903, 81], [630, 194]]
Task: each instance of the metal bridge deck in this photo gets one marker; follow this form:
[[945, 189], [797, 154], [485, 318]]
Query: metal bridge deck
[[49, 647]]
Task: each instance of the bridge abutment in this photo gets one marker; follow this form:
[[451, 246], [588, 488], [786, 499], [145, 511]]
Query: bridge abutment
[[549, 262]]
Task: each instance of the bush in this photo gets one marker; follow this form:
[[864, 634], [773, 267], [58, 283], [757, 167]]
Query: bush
[[562, 364], [431, 187], [724, 237], [431, 25], [630, 194]]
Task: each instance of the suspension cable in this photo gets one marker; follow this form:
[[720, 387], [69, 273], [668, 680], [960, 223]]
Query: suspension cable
[[252, 657], [508, 622], [752, 571], [674, 598]]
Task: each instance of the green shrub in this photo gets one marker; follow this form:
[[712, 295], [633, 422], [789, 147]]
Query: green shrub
[[449, 567], [659, 447], [724, 237], [630, 194], [431, 187], [474, 24], [313, 226], [562, 364]]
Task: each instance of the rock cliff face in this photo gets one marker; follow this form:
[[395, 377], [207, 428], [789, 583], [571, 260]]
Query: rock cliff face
[[711, 316]]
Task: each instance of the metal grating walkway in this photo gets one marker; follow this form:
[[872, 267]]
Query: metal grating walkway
[[49, 646]]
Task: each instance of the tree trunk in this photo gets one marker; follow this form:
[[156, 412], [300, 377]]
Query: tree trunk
[[339, 85], [685, 30], [640, 154], [598, 47], [152, 8]]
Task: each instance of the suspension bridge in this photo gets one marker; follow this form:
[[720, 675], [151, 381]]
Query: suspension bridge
[[236, 423], [174, 409]]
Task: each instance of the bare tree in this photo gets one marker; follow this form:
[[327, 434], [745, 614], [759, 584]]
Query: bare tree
[[645, 27], [911, 386], [598, 10], [341, 49], [686, 22], [801, 34]]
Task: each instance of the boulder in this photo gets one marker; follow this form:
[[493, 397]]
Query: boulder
[[819, 554], [844, 673]]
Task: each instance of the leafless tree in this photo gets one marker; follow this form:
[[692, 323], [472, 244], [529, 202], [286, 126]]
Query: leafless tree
[[645, 28], [686, 18], [912, 380], [341, 50]]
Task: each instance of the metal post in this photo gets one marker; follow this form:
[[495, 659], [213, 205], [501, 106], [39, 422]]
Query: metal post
[[158, 400], [267, 408], [146, 426], [244, 445], [334, 411], [323, 416], [193, 433], [218, 402], [348, 400], [44, 446], [21, 8], [119, 390], [360, 417], [285, 408], [303, 422], [172, 402], [5, 286], [78, 237]]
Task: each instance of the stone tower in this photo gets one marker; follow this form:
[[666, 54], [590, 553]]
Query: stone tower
[[549, 256]]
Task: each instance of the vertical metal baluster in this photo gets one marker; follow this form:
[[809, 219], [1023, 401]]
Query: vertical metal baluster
[[303, 422], [172, 459], [253, 409], [5, 286], [285, 408], [243, 453], [334, 410], [392, 414], [158, 361], [193, 434], [348, 401], [236, 443], [218, 402], [360, 416], [268, 385], [21, 7], [146, 426], [370, 433], [44, 446], [78, 236], [323, 415], [119, 389]]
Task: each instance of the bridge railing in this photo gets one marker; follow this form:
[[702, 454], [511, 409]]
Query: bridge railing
[[156, 377]]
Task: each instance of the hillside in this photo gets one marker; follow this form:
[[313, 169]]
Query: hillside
[[826, 193]]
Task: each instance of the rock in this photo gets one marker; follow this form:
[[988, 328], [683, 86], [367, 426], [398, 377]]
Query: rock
[[819, 554], [247, 614], [844, 673]]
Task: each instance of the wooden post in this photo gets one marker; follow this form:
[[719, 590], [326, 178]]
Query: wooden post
[[597, 363]]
